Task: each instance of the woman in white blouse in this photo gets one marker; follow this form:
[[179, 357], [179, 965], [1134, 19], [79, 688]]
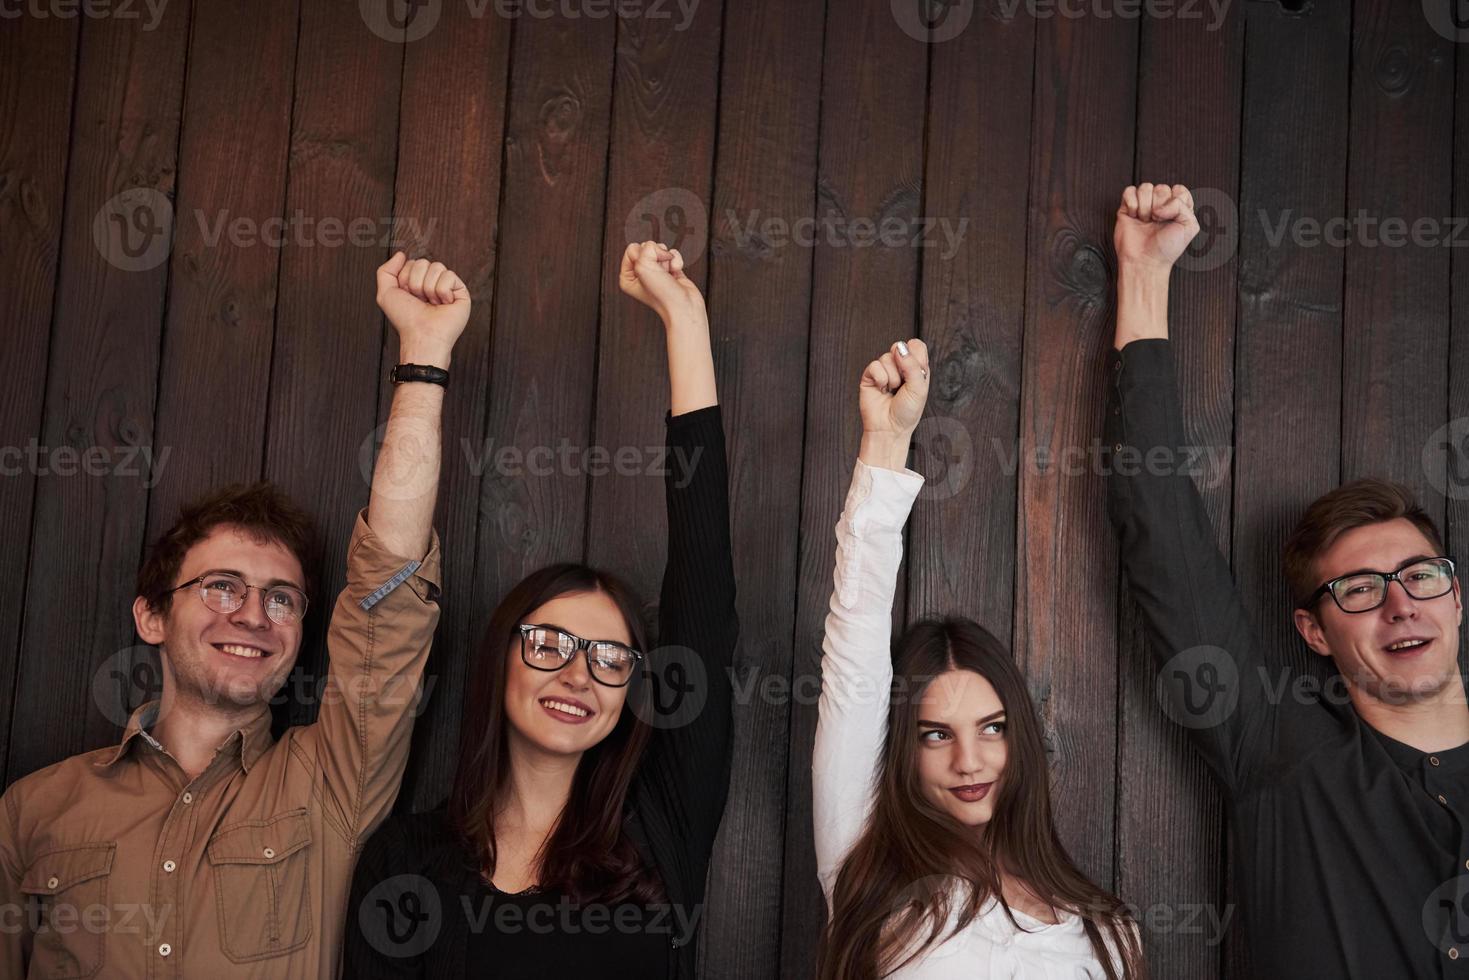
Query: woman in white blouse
[[934, 839]]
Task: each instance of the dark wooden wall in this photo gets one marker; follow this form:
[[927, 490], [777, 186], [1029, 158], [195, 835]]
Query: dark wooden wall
[[524, 151]]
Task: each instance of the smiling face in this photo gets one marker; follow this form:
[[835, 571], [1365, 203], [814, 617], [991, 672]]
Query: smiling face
[[1404, 650], [565, 712], [230, 660], [961, 746]]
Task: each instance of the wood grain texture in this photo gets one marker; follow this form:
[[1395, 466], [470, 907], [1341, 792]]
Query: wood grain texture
[[447, 207], [524, 152], [1170, 813], [1066, 578], [864, 297], [759, 303], [1288, 346], [37, 68], [1396, 301], [220, 325], [82, 670], [976, 192], [324, 363]]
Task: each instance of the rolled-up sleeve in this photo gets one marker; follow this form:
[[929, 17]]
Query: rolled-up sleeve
[[380, 635]]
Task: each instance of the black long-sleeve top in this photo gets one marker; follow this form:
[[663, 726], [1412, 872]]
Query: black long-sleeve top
[[1352, 849], [419, 907]]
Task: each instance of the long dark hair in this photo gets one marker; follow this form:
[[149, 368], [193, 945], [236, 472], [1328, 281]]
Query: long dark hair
[[894, 894], [588, 856]]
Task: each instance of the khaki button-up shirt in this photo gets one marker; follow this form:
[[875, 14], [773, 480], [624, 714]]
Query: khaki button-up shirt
[[115, 864]]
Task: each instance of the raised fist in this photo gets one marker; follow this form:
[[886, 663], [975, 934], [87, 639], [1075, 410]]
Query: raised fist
[[426, 303], [653, 275], [1154, 225], [894, 389]]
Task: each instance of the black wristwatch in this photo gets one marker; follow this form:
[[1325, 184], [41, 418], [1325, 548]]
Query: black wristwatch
[[419, 372]]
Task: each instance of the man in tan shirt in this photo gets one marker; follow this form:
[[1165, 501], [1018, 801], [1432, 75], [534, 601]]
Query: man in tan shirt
[[199, 847]]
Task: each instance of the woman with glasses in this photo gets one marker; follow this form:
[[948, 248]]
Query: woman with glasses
[[935, 846], [593, 770]]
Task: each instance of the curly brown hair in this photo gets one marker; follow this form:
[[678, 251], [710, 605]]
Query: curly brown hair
[[262, 510]]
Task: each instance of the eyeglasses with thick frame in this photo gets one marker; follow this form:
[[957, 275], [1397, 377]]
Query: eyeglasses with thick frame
[[1378, 583], [566, 648], [226, 592]]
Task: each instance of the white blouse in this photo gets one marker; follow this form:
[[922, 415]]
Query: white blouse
[[856, 671]]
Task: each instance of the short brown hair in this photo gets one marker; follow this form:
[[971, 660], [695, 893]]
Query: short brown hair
[[1352, 505], [261, 510]]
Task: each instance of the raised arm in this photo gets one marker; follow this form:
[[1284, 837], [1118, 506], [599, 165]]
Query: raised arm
[[383, 624], [856, 662], [687, 765], [1200, 634]]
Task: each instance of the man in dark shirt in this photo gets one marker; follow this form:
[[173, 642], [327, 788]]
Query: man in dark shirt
[[1350, 806]]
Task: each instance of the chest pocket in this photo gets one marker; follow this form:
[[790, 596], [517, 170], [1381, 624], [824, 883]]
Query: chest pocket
[[66, 904], [262, 885]]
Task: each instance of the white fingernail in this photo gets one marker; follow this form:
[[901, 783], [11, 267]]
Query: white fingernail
[[902, 348]]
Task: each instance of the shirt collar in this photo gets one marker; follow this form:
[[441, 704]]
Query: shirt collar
[[1413, 759], [250, 741]]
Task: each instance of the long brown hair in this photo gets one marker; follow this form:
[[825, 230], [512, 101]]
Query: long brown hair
[[894, 895], [588, 856]]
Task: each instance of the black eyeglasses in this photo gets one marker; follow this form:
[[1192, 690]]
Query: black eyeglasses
[[1359, 592], [549, 648], [225, 592]]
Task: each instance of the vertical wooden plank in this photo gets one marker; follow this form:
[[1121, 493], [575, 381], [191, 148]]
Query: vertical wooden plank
[[1452, 444], [864, 297], [217, 341], [79, 679], [327, 347], [447, 205], [977, 178], [1396, 305], [1288, 345], [1170, 822], [759, 305], [542, 368], [37, 69], [1066, 594], [658, 177]]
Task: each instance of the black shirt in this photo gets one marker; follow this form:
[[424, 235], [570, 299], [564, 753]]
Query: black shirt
[[416, 907], [1352, 857], [545, 934]]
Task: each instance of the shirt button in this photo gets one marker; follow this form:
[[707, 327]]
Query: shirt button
[[1117, 448], [165, 949], [1453, 952], [169, 866], [1433, 760], [188, 797], [270, 852], [1442, 800], [52, 881]]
